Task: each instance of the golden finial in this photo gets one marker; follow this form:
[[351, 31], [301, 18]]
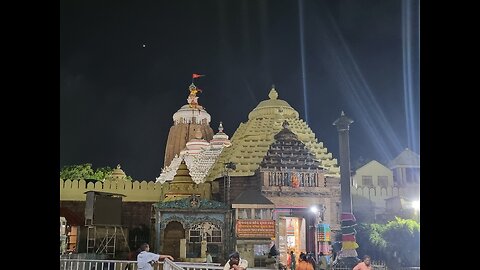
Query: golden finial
[[273, 93]]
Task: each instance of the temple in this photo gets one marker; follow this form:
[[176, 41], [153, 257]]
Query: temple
[[272, 183]]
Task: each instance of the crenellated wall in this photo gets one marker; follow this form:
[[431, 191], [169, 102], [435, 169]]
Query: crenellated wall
[[377, 193], [134, 191]]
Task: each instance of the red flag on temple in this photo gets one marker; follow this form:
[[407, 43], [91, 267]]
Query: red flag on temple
[[194, 76]]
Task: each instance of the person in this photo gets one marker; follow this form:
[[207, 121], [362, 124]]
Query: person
[[146, 259], [303, 263], [273, 251], [272, 256], [311, 259], [322, 261], [364, 265], [293, 261], [209, 257], [235, 262]]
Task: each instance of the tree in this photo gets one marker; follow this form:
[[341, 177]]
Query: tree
[[85, 171], [102, 173], [77, 172], [370, 240], [403, 241], [397, 242]]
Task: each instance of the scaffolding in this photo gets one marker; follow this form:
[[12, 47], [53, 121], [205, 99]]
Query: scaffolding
[[103, 218], [104, 239]]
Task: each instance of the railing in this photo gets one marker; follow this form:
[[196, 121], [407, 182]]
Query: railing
[[100, 264], [87, 264], [169, 265], [379, 267]]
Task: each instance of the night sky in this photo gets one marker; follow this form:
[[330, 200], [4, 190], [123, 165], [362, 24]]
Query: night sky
[[125, 68]]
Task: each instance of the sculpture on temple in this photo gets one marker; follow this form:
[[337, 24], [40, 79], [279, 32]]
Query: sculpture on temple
[[192, 98]]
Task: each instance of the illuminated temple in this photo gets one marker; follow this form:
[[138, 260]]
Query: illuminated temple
[[272, 173], [245, 193]]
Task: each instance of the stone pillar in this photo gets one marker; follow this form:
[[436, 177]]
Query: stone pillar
[[342, 125], [183, 248], [347, 257]]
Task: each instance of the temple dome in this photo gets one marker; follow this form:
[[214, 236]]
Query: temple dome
[[188, 115], [117, 174], [273, 108], [183, 174]]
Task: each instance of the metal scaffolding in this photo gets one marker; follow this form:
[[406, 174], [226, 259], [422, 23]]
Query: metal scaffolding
[[103, 239]]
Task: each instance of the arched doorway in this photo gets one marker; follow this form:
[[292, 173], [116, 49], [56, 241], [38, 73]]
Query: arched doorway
[[174, 231]]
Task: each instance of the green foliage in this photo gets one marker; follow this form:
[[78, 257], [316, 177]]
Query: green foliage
[[77, 172], [375, 237], [85, 171], [397, 242], [370, 241], [403, 238], [102, 173]]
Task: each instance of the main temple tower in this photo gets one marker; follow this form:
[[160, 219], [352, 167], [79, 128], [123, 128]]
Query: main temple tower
[[187, 121]]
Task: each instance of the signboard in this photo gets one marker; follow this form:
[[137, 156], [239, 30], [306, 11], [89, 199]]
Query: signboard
[[255, 228]]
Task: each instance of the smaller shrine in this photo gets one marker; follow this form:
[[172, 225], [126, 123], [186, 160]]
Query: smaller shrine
[[187, 223]]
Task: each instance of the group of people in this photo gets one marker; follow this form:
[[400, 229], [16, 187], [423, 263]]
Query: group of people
[[146, 260], [306, 261]]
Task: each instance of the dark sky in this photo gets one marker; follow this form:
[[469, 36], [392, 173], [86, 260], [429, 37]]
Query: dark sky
[[117, 97]]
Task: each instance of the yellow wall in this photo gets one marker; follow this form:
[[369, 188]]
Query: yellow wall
[[134, 191], [374, 169]]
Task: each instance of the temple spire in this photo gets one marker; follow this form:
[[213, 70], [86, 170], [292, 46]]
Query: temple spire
[[220, 127]]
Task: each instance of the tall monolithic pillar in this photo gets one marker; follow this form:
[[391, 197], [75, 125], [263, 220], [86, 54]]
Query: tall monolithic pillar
[[347, 257], [343, 125]]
